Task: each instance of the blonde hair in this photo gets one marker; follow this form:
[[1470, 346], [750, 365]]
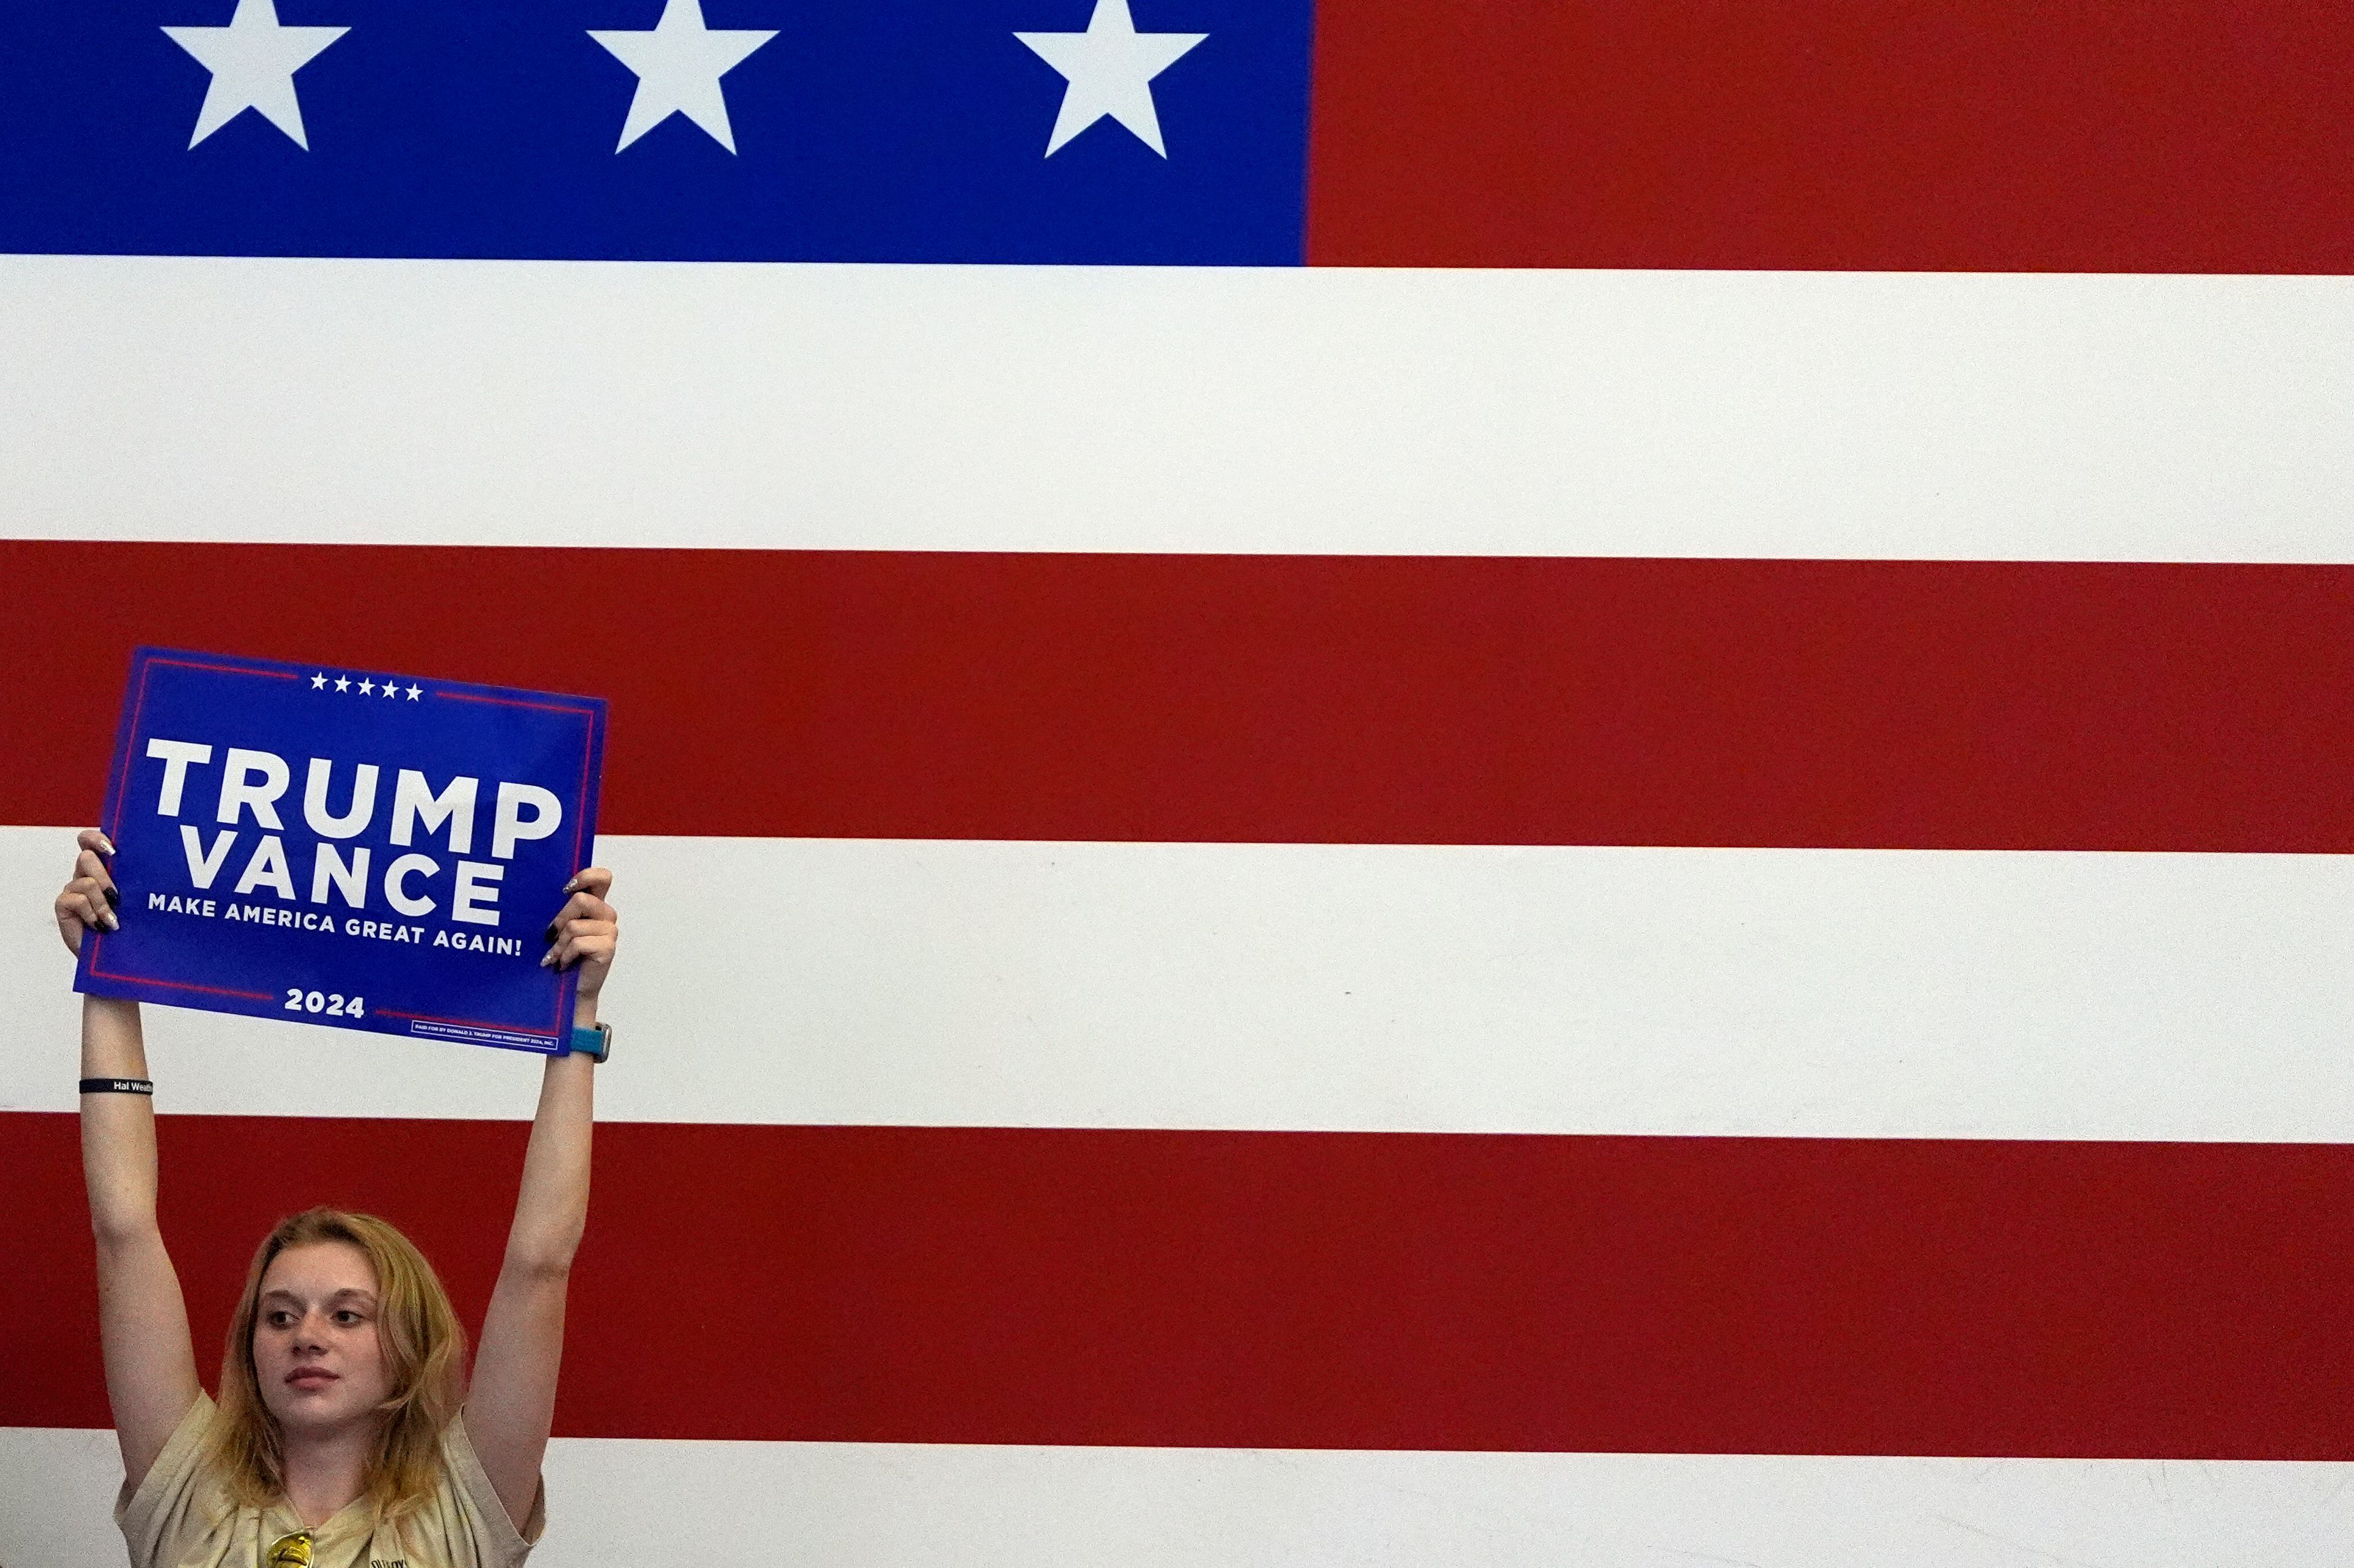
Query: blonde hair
[[424, 1356]]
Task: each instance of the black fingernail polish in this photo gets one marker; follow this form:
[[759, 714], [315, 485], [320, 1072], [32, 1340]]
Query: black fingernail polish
[[114, 898], [549, 935]]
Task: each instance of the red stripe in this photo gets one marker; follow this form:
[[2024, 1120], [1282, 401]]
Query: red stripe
[[1323, 1290], [1832, 703], [1986, 136]]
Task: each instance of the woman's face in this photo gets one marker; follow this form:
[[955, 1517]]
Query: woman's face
[[316, 1347]]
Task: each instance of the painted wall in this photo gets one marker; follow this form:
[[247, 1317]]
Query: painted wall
[[1467, 910]]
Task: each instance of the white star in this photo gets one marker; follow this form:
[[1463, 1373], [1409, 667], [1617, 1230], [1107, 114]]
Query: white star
[[253, 61], [389, 691], [367, 688], [679, 65], [1110, 68], [414, 693], [343, 683], [318, 683]]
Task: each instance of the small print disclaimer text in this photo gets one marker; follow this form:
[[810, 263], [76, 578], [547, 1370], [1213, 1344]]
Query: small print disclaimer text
[[474, 1033]]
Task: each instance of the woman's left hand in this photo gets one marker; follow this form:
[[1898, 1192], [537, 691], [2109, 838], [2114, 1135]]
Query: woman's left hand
[[586, 930]]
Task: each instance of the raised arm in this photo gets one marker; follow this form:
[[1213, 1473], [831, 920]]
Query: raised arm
[[512, 1404], [142, 1323]]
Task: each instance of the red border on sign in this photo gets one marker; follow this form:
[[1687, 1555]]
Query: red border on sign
[[179, 985], [554, 1029]]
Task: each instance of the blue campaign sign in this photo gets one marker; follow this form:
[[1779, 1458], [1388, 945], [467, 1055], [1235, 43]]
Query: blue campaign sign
[[345, 847]]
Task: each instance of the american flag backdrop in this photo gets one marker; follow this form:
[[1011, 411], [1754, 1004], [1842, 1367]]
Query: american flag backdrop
[[1474, 782]]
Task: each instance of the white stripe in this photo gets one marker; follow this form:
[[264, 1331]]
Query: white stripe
[[1381, 988], [1919, 415], [613, 1501]]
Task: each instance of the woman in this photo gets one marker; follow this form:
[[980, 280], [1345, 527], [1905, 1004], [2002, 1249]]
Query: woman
[[338, 1437]]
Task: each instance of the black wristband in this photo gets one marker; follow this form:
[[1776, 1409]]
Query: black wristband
[[117, 1086]]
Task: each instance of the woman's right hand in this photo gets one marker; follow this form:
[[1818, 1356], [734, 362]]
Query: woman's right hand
[[89, 900]]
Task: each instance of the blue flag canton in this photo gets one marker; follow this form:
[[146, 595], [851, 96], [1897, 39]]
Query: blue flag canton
[[1151, 131]]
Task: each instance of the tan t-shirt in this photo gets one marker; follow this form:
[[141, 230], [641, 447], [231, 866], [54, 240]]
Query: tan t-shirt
[[180, 1515]]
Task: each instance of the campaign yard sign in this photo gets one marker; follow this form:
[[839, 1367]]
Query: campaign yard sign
[[345, 847]]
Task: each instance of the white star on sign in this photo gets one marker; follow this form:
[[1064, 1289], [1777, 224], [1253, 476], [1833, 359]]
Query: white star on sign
[[415, 693], [679, 65], [253, 61], [318, 683], [390, 690], [1109, 69], [343, 683], [367, 688]]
